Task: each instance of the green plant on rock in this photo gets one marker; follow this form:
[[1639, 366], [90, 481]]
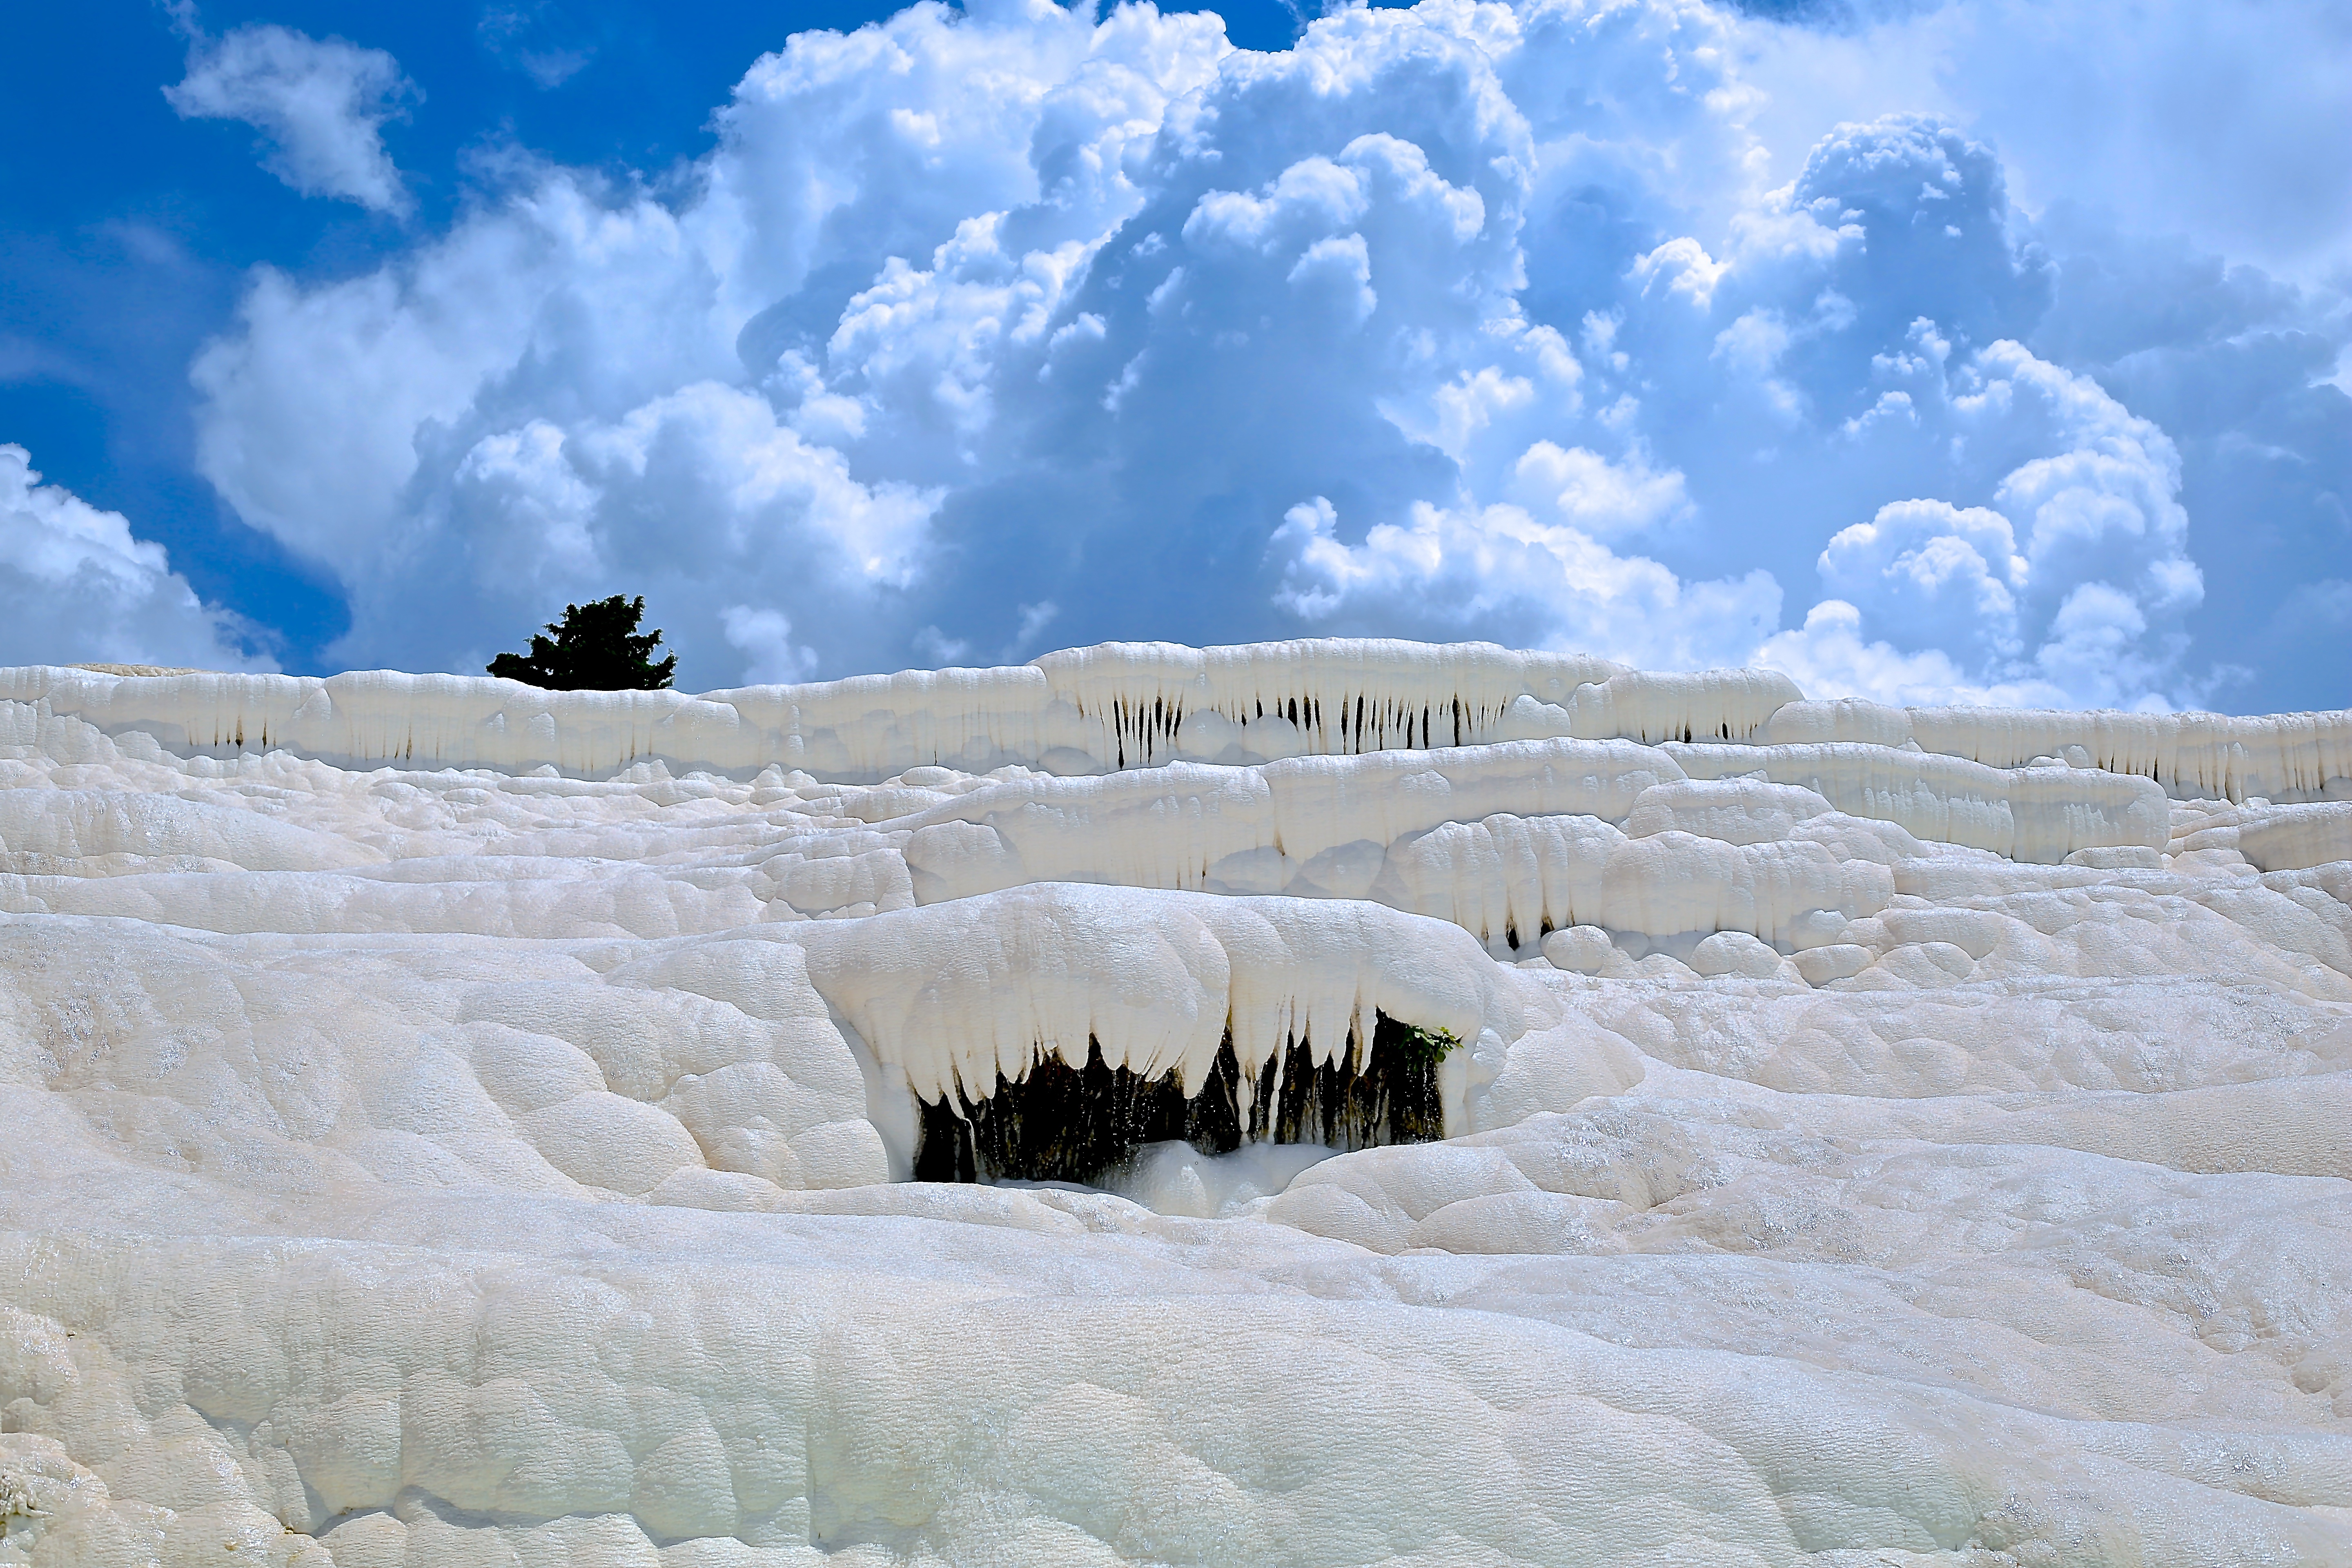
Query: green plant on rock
[[1431, 1046]]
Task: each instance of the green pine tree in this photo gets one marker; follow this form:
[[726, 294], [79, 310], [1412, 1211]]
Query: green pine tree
[[596, 648]]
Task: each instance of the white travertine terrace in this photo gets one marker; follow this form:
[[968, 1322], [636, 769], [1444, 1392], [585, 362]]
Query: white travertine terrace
[[1138, 704], [446, 1122], [2195, 756]]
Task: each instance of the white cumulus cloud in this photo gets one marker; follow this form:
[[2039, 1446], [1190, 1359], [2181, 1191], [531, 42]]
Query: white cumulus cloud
[[319, 103], [77, 588], [2071, 584], [1498, 573], [1470, 320], [2223, 121]]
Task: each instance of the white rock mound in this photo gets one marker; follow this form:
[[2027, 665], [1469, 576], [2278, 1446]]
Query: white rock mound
[[1526, 1110]]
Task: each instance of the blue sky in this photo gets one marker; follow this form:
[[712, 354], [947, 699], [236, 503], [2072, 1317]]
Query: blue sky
[[1983, 351]]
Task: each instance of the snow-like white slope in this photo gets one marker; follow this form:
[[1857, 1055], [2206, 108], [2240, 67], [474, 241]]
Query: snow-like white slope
[[446, 1123]]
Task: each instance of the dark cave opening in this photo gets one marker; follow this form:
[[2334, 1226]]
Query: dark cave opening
[[1061, 1124]]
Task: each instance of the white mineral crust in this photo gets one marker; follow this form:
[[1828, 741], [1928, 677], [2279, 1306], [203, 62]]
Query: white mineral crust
[[445, 1123]]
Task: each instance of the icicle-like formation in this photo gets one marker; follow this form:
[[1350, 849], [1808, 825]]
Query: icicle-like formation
[[1507, 878], [1707, 705], [1511, 840], [2278, 837], [2037, 814], [2194, 756], [1134, 705], [1511, 880], [1083, 711], [1253, 828], [1088, 1124], [1152, 701], [958, 994], [1122, 707]]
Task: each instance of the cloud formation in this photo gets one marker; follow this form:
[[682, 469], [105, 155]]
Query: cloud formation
[[320, 104], [2219, 123], [529, 35], [75, 586], [1467, 320]]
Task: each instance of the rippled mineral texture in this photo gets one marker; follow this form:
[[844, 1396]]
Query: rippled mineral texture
[[1332, 1103]]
